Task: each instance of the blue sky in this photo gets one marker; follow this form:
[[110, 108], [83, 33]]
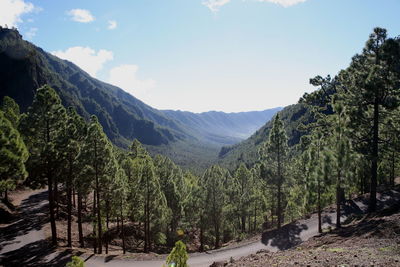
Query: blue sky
[[200, 55]]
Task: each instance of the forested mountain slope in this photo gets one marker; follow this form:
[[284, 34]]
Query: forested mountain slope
[[186, 137], [25, 67], [247, 151]]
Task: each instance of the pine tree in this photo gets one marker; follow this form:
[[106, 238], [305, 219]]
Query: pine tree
[[145, 195], [13, 155], [70, 143], [97, 153], [340, 148], [369, 88], [275, 151], [42, 126], [11, 111], [243, 178], [213, 186], [172, 184]]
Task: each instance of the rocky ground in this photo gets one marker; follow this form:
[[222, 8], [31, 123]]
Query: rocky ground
[[368, 240]]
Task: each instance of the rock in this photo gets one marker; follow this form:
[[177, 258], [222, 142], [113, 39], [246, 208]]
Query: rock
[[218, 264], [262, 251]]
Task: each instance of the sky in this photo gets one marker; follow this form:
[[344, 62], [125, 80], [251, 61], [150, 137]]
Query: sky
[[201, 55]]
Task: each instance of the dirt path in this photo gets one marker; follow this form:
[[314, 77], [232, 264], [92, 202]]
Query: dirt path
[[22, 243]]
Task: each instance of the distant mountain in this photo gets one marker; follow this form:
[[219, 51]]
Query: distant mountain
[[191, 140], [220, 127]]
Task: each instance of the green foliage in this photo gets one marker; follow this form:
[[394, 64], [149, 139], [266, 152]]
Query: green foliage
[[178, 256], [13, 155], [76, 262], [42, 127], [274, 155], [11, 110]]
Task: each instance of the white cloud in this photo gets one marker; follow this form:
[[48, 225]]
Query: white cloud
[[81, 15], [214, 5], [284, 3], [11, 11], [125, 77], [31, 33], [112, 24], [86, 58]]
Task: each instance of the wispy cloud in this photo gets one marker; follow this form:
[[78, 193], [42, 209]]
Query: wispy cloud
[[81, 15], [214, 5], [86, 58], [11, 11], [284, 3], [31, 33], [125, 77], [112, 24]]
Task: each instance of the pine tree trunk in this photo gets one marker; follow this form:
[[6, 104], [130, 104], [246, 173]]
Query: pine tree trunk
[[56, 197], [279, 207], [393, 169], [99, 226], [338, 225], [51, 207], [279, 190], [255, 217], [249, 224], [69, 207], [217, 235], [374, 163], [147, 244], [319, 208], [51, 193], [81, 242], [201, 240], [107, 225], [94, 225], [122, 230], [73, 197], [243, 223]]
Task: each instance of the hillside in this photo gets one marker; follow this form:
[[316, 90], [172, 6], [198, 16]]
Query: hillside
[[185, 137], [246, 151], [25, 67]]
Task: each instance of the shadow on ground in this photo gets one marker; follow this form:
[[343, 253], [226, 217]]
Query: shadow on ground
[[38, 253], [288, 236], [32, 216]]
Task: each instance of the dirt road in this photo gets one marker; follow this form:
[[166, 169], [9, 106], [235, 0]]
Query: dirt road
[[22, 243]]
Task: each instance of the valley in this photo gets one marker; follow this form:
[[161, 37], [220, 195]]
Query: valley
[[199, 133]]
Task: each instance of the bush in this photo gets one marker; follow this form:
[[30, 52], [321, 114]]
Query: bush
[[76, 262], [178, 256]]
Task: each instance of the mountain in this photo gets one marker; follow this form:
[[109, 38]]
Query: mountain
[[188, 138], [25, 67], [220, 127]]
